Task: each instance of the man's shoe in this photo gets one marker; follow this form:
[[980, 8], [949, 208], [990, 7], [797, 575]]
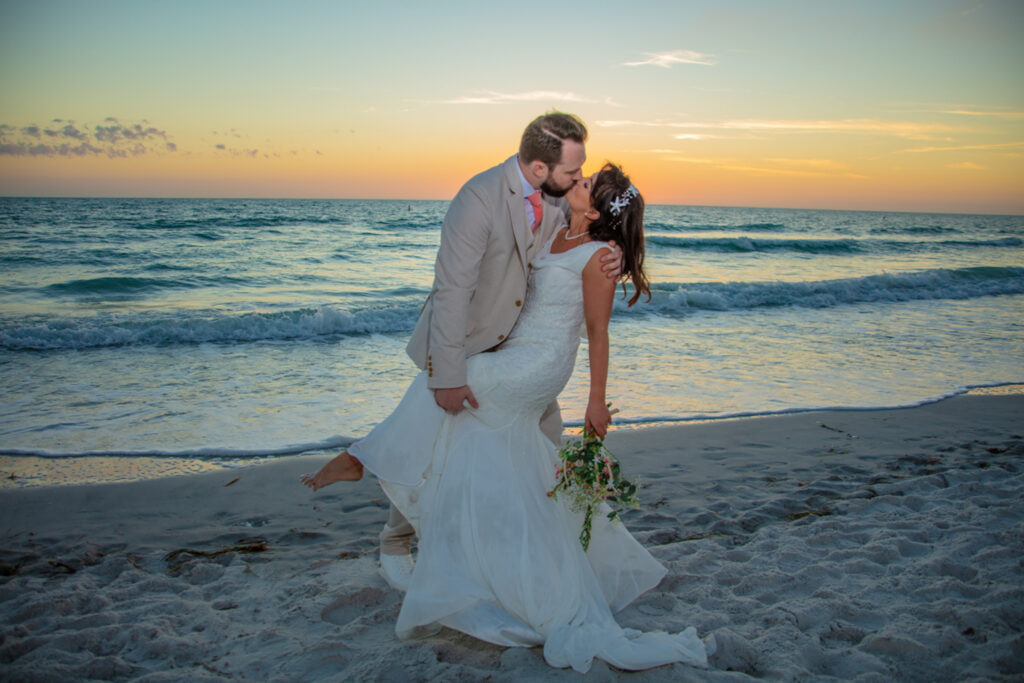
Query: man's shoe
[[396, 570]]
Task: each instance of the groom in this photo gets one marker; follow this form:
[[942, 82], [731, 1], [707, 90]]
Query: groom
[[496, 224]]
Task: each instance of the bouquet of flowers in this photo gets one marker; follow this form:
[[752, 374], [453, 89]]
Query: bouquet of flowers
[[590, 475]]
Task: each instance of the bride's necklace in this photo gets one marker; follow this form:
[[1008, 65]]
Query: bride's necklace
[[575, 237]]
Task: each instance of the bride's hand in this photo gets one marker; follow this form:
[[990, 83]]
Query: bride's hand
[[598, 418]]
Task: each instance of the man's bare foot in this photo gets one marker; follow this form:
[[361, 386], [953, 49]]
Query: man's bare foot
[[343, 468]]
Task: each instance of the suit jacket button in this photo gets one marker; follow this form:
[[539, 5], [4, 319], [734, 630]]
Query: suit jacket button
[[518, 302], [500, 337]]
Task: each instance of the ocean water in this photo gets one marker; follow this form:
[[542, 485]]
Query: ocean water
[[208, 332]]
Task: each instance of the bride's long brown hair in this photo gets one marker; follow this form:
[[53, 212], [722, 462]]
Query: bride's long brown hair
[[626, 227]]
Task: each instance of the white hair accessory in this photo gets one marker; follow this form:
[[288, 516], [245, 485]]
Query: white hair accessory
[[622, 201]]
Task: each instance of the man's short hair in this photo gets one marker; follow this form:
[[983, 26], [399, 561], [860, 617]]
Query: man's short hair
[[543, 138]]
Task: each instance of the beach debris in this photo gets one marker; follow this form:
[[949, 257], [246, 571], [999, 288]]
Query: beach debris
[[838, 430], [663, 537], [921, 459], [12, 561], [699, 536], [176, 559], [233, 481], [15, 562], [821, 512], [63, 566]]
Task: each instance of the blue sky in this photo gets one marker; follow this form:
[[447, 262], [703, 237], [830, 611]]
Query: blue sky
[[914, 104]]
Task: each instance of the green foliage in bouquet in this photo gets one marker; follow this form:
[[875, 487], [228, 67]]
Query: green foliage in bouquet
[[589, 474]]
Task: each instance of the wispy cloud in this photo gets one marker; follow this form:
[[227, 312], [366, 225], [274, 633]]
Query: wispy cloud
[[909, 129], [233, 148], [227, 133], [698, 136], [819, 164], [817, 168], [492, 97], [995, 114], [767, 170], [691, 160], [967, 166], [956, 109], [666, 59], [993, 147], [239, 151], [66, 139]]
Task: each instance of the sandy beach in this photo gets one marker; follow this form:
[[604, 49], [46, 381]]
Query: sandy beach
[[869, 545]]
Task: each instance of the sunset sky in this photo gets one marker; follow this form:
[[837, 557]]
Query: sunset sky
[[913, 105]]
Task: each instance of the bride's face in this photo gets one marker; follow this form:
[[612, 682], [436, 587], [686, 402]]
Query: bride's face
[[579, 195]]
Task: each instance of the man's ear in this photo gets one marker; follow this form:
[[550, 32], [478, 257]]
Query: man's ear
[[539, 169]]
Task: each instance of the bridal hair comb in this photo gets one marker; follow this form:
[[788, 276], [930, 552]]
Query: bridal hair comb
[[622, 201]]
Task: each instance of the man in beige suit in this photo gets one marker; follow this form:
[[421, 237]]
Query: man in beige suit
[[495, 225]]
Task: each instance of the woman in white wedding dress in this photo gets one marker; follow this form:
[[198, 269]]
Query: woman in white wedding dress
[[497, 558]]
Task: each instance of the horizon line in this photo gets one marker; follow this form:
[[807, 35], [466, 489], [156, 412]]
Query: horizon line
[[421, 199]]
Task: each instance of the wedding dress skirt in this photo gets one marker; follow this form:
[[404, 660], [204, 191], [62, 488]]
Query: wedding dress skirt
[[497, 558]]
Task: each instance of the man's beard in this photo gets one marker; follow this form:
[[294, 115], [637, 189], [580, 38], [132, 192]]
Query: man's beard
[[554, 191]]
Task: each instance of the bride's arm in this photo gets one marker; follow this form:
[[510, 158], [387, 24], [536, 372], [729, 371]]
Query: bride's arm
[[598, 294]]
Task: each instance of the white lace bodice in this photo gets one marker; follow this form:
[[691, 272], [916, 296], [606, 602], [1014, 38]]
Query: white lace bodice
[[534, 364], [553, 311]]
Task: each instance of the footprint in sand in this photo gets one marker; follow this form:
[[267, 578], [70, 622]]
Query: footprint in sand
[[349, 607]]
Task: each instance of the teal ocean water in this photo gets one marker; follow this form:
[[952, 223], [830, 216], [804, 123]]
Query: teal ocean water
[[221, 329]]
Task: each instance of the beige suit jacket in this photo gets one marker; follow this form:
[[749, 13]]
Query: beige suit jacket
[[480, 274]]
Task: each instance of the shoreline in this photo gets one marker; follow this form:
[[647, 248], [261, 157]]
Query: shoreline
[[881, 544], [20, 470]]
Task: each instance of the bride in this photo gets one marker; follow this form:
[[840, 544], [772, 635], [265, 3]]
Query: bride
[[498, 559]]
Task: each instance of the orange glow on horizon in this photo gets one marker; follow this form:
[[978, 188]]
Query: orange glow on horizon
[[386, 174]]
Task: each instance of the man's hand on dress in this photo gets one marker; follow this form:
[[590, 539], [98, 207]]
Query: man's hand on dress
[[453, 400], [611, 262]]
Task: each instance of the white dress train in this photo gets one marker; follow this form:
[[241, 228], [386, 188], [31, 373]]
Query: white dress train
[[497, 559]]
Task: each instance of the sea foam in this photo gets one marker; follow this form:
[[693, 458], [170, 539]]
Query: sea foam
[[670, 299], [963, 283]]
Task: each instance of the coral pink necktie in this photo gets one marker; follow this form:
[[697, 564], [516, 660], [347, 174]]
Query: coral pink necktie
[[538, 211]]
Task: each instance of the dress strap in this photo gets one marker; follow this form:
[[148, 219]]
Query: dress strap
[[581, 255]]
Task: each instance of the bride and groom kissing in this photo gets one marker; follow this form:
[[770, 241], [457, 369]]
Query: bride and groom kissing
[[531, 250]]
